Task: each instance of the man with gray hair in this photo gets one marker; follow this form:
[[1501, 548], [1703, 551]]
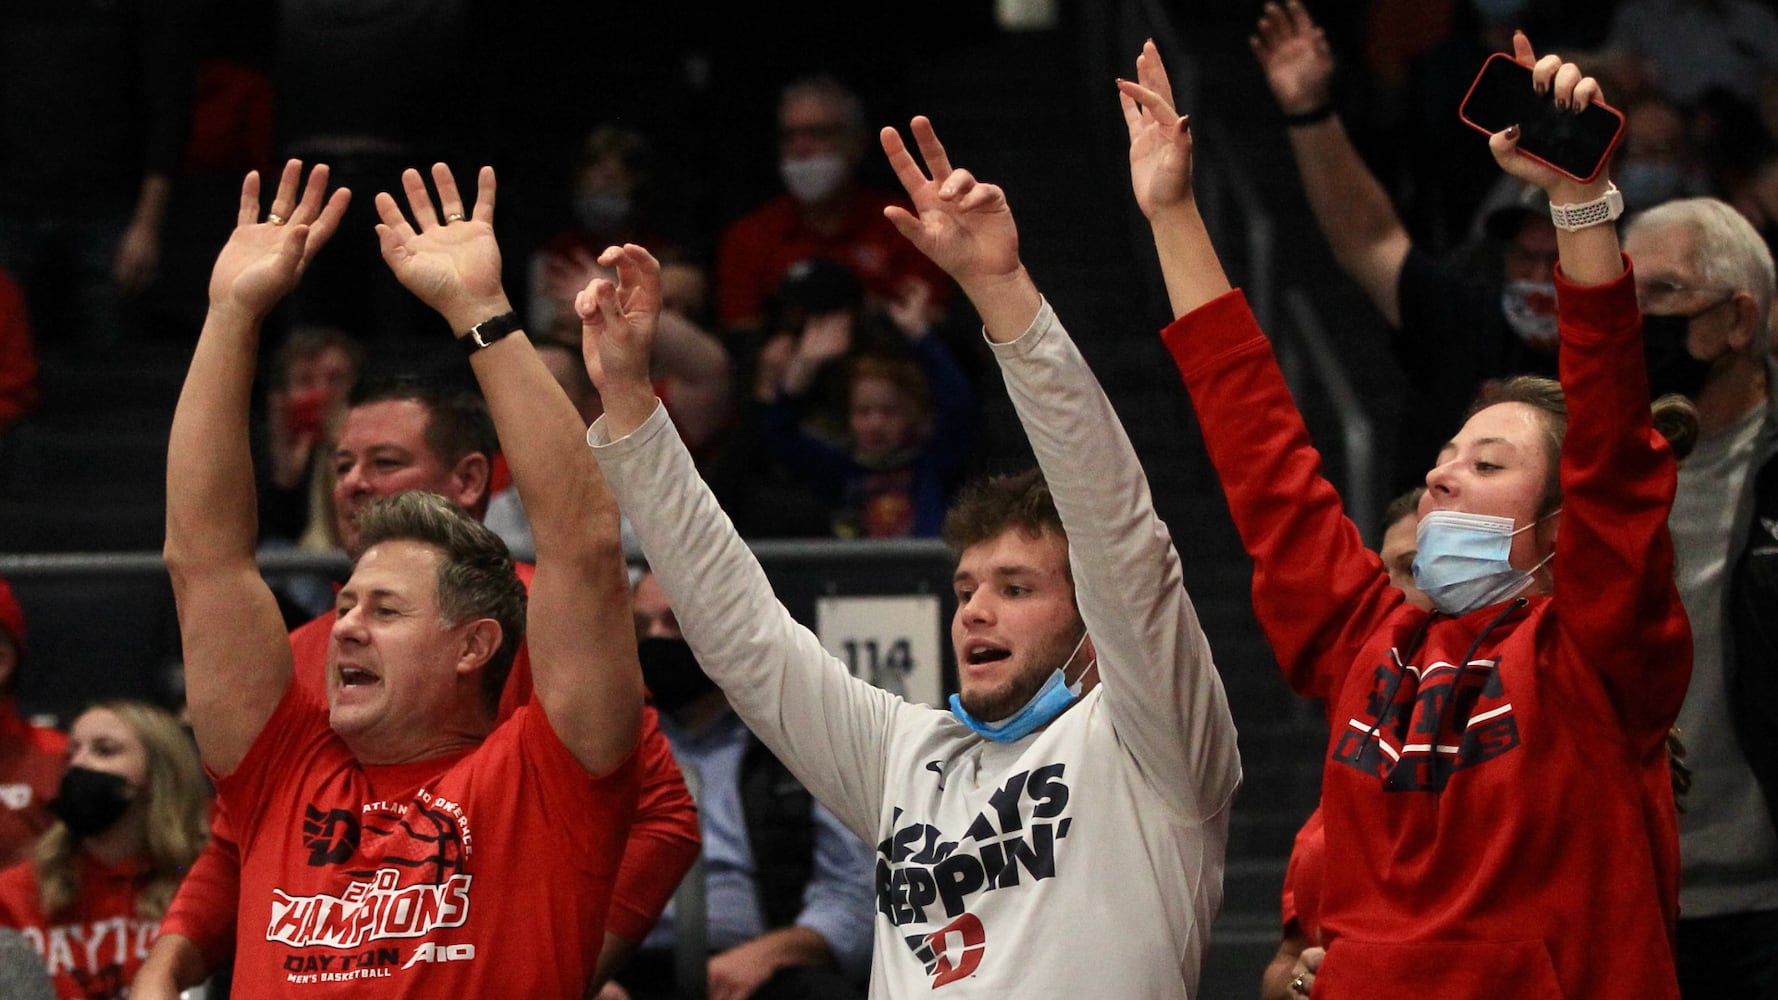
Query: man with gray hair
[[823, 212], [1705, 283]]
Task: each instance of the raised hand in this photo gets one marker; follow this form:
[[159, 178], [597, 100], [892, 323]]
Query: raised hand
[[263, 260], [452, 266], [1160, 140], [617, 326], [1572, 90], [964, 226], [825, 337], [1293, 51]]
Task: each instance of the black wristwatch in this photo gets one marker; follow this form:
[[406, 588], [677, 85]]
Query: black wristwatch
[[486, 332]]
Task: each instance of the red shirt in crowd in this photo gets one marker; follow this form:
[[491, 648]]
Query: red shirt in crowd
[[31, 762], [759, 248], [662, 844], [486, 872], [94, 947], [1495, 788]]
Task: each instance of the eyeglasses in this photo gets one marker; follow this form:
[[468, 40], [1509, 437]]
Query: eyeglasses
[[818, 131], [1656, 291]]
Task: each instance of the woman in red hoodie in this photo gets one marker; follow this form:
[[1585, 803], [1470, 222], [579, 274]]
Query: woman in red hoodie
[[132, 813], [1495, 790]]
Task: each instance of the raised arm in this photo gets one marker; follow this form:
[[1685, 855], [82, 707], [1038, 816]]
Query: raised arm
[[578, 625], [1314, 583], [1588, 256], [1160, 687], [1350, 206], [237, 659], [1161, 177], [966, 228], [829, 727]]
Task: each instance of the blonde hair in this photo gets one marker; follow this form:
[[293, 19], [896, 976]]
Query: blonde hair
[[178, 817]]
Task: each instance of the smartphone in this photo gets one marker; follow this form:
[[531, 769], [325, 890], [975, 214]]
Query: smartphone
[[1575, 144]]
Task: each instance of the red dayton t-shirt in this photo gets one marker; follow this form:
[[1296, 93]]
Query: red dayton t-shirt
[[93, 947], [478, 874], [662, 845]]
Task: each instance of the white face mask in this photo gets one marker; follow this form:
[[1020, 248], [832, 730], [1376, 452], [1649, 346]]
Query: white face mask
[[1462, 560], [1530, 309], [813, 178]]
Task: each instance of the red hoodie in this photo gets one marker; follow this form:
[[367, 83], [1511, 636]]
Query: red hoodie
[[1518, 839]]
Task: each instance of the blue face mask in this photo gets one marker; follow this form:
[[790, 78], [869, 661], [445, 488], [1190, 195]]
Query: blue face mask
[[1461, 562], [1049, 701]]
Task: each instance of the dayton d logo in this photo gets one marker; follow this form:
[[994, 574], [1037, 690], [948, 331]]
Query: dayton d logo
[[330, 836], [953, 951]]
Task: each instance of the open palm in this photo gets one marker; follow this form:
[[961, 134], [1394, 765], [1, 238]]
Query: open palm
[[454, 265], [264, 260], [1160, 144]]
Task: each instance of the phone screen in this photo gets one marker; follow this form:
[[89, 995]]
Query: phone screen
[[1575, 144]]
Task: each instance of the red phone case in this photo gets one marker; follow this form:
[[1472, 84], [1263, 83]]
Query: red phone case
[[1617, 135]]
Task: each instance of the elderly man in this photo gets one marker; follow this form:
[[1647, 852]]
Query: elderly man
[[1705, 282], [394, 832], [824, 212]]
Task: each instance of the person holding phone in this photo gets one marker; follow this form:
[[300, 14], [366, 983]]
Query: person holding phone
[[1452, 329], [1496, 783]]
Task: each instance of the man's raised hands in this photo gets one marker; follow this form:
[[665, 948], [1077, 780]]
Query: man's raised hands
[[263, 260], [1293, 51], [451, 265]]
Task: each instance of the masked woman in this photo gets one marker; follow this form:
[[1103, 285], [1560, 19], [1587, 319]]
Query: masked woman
[[132, 812], [1498, 814]]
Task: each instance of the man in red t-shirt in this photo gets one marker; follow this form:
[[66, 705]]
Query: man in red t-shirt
[[822, 138], [31, 757], [398, 435], [395, 832]]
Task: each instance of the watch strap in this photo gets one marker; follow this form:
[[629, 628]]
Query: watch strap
[[485, 333], [1580, 215]]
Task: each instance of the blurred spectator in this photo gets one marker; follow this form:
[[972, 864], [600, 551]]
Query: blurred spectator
[[1300, 950], [18, 355], [614, 199], [1705, 283], [789, 892], [1756, 197], [95, 103], [1683, 49], [824, 212], [312, 375], [1656, 162], [131, 814], [31, 757], [1454, 326], [907, 433]]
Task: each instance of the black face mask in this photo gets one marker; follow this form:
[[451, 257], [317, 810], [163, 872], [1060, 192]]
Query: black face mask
[[89, 801], [672, 674], [1671, 368]]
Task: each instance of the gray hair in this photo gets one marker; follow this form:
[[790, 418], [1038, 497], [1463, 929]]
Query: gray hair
[[831, 91], [1729, 252]]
